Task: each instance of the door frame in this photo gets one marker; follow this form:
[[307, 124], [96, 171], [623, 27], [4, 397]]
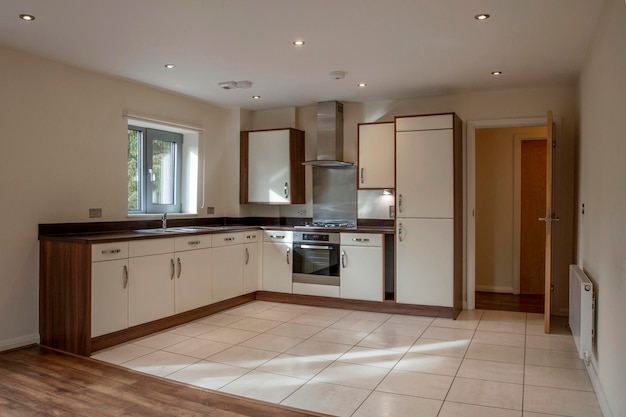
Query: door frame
[[517, 198], [471, 190]]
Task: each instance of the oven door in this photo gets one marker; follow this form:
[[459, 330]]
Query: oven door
[[316, 263]]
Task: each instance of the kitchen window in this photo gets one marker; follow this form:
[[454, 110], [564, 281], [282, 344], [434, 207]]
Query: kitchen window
[[155, 161]]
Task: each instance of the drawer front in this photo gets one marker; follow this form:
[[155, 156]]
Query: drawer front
[[277, 236], [252, 236], [183, 243], [440, 121], [361, 239], [109, 251], [227, 239], [151, 247]]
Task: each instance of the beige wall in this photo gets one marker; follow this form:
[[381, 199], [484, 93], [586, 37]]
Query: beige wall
[[64, 150], [602, 189], [495, 248]]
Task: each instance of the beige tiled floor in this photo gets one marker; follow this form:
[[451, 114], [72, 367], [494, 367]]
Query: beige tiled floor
[[353, 363]]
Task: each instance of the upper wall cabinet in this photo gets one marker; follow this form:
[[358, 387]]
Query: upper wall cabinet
[[376, 155], [271, 170]]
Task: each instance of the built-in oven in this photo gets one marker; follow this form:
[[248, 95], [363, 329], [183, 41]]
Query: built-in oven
[[316, 258]]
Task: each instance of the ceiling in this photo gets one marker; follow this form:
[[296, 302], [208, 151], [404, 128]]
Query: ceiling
[[400, 48]]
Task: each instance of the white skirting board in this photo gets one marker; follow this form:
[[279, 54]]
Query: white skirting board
[[19, 342], [597, 387]]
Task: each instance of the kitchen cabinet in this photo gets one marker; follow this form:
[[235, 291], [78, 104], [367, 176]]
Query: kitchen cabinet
[[228, 266], [429, 211], [194, 275], [376, 155], [151, 285], [251, 265], [425, 262], [362, 259], [109, 288], [277, 261], [425, 174], [271, 169]]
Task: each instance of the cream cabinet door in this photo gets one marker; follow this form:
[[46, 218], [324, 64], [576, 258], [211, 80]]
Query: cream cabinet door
[[376, 155], [194, 283], [425, 174], [109, 296], [277, 267], [425, 262], [361, 273], [151, 288], [251, 268], [268, 167], [227, 272]]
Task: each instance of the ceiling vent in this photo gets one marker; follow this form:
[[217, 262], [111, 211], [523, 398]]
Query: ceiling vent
[[231, 85]]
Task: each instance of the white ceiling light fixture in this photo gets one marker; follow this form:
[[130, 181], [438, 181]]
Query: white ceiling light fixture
[[170, 66], [362, 85], [481, 16], [256, 97], [337, 75], [27, 17], [496, 73], [298, 42]]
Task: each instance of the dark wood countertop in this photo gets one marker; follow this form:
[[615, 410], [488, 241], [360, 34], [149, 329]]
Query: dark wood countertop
[[106, 237]]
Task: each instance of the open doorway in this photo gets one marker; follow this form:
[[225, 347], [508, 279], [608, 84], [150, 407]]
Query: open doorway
[[506, 196]]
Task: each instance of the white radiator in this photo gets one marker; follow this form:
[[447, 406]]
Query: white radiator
[[581, 310]]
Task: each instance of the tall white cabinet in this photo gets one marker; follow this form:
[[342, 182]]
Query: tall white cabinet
[[429, 211]]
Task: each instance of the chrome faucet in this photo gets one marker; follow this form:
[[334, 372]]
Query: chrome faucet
[[164, 221]]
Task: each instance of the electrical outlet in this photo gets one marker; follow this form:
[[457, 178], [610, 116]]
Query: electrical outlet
[[210, 210], [392, 211], [301, 212], [95, 213]]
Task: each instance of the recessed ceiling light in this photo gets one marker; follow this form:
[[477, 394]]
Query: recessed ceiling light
[[256, 97], [481, 16], [27, 17], [496, 73], [362, 85], [298, 43], [170, 66]]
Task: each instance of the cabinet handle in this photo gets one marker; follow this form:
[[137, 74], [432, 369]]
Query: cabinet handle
[[400, 203], [180, 267], [125, 276], [247, 256], [286, 190], [228, 239], [111, 251], [362, 175], [172, 268], [288, 251], [193, 242], [277, 237], [343, 259], [358, 239], [400, 232]]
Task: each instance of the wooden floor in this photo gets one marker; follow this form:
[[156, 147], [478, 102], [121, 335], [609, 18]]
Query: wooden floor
[[509, 302], [36, 381]]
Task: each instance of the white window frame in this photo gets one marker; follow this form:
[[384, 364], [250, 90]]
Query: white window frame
[[191, 163]]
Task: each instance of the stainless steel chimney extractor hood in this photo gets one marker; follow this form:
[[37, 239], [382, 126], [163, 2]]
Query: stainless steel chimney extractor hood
[[329, 136]]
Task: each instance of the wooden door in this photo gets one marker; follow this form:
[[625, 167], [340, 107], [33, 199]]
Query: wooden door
[[549, 219], [532, 206]]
